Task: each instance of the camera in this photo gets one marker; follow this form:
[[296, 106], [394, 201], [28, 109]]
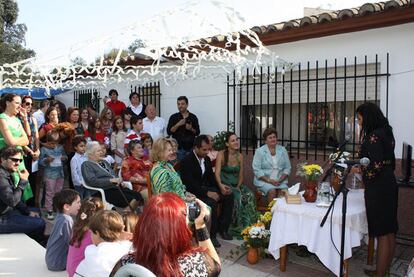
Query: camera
[[193, 211]]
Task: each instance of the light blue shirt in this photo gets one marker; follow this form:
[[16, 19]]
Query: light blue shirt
[[263, 165]]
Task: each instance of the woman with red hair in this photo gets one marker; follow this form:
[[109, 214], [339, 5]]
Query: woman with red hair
[[163, 240]]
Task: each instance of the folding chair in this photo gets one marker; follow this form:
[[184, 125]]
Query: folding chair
[[108, 206]]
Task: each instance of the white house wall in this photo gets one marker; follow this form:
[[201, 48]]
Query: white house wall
[[208, 98]]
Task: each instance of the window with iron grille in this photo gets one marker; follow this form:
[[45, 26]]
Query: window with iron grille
[[312, 106], [83, 97]]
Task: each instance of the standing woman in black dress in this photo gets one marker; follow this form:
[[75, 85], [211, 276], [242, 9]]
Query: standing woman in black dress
[[381, 192]]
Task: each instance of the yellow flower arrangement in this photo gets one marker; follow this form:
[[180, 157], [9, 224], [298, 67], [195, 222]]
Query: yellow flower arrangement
[[310, 172], [256, 235]]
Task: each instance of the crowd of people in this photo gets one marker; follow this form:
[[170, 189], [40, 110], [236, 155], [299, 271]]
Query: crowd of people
[[124, 145]]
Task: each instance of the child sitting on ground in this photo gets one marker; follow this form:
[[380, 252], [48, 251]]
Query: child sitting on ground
[[82, 236], [108, 247], [67, 202], [51, 157]]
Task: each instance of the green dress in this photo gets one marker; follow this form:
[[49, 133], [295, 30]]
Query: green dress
[[244, 211], [16, 133], [165, 179]]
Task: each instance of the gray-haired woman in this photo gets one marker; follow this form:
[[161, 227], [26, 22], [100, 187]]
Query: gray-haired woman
[[97, 172]]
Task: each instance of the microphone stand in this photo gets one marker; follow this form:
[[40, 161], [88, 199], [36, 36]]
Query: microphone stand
[[344, 191]]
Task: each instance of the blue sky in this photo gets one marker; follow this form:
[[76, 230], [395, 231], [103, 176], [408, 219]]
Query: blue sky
[[56, 25]]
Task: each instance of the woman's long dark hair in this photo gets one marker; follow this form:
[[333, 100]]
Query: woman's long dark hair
[[226, 150], [372, 119], [6, 98]]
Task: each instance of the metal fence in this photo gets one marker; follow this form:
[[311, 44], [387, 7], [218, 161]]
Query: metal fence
[[81, 98], [149, 94], [312, 106]]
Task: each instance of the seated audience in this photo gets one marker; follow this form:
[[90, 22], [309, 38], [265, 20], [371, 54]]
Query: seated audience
[[108, 246], [82, 236], [229, 175], [174, 156], [163, 240], [67, 202], [197, 173], [163, 176], [15, 217], [79, 144], [135, 169], [97, 172], [271, 166]]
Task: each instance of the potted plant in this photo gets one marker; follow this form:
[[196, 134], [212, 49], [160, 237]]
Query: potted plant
[[311, 173], [256, 236]]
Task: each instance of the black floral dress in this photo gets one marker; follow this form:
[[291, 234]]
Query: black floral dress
[[381, 192], [196, 264]]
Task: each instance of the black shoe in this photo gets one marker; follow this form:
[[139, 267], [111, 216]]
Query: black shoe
[[215, 242], [226, 236]]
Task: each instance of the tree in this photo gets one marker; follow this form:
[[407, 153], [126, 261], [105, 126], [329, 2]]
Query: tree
[[12, 41]]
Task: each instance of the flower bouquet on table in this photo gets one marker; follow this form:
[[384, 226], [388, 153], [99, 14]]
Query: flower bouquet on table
[[310, 173]]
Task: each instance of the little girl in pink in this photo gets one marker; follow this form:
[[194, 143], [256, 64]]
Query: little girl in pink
[[82, 236]]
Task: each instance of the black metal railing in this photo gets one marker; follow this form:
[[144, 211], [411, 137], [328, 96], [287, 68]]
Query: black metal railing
[[81, 98], [312, 107], [149, 94]]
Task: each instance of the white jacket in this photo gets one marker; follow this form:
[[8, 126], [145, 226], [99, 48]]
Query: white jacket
[[100, 260]]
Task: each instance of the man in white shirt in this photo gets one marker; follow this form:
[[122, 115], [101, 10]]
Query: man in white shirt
[[40, 113], [153, 124]]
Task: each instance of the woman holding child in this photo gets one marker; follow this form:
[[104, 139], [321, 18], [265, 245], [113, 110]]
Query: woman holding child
[[229, 173], [135, 169]]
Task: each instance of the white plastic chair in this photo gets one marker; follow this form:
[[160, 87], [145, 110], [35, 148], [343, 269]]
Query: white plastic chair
[[108, 206], [134, 270]]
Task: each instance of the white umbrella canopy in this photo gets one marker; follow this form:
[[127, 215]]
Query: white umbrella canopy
[[170, 48]]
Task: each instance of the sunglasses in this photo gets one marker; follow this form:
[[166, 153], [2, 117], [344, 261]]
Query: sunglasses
[[16, 160], [28, 104]]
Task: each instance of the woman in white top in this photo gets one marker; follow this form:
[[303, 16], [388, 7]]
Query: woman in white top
[[117, 139], [108, 246]]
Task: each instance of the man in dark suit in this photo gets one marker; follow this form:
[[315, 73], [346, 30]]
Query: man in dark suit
[[197, 175]]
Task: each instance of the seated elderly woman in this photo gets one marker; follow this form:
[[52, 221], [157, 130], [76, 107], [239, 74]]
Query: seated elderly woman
[[135, 169], [163, 176], [97, 172], [163, 240], [271, 165]]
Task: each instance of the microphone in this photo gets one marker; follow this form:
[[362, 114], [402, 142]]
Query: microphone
[[363, 162], [335, 156]]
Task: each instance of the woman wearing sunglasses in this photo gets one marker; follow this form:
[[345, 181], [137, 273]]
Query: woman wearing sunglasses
[[12, 132], [32, 151]]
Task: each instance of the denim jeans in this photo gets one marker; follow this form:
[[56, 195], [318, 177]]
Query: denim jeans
[[14, 222]]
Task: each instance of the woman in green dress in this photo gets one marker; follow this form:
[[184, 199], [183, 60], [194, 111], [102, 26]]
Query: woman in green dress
[[163, 176], [229, 175], [12, 132]]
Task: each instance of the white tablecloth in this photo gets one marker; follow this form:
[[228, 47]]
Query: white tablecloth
[[300, 224]]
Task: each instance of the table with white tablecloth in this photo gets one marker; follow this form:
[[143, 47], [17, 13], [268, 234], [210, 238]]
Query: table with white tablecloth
[[300, 223]]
